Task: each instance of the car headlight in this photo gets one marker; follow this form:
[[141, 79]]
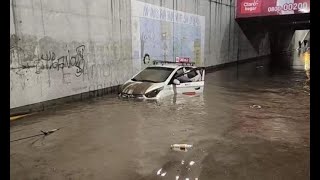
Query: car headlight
[[153, 93]]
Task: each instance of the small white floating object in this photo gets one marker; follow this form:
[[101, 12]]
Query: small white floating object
[[182, 162], [196, 179], [163, 174], [187, 178], [177, 177], [181, 147], [255, 106], [191, 163], [159, 171]]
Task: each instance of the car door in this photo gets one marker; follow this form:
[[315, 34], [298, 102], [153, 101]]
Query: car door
[[191, 81]]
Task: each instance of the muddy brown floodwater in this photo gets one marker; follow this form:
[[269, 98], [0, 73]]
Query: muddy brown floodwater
[[107, 138]]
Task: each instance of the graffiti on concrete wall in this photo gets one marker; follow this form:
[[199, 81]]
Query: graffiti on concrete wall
[[29, 55], [45, 69], [63, 54], [50, 61]]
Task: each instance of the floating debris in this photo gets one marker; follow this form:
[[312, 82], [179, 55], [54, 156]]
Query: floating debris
[[177, 177], [44, 133], [181, 147], [163, 174], [191, 163], [159, 171], [182, 162], [255, 106], [306, 92], [49, 132], [19, 116]]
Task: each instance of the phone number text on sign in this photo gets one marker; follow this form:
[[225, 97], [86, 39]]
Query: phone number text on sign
[[289, 7]]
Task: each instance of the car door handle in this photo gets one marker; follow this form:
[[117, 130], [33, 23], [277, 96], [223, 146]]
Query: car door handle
[[197, 88]]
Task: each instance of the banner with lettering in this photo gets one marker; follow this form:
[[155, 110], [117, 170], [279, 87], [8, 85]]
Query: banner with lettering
[[253, 8]]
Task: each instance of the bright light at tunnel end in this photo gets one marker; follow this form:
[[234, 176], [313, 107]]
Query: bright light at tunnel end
[[305, 10]]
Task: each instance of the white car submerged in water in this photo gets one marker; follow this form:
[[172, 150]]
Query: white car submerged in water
[[164, 79]]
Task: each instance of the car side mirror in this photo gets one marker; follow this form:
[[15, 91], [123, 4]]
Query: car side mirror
[[176, 82]]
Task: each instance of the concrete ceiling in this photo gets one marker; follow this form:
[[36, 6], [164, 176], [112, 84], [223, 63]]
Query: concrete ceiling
[[274, 23]]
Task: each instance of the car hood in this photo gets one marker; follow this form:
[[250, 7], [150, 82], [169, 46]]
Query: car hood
[[133, 87]]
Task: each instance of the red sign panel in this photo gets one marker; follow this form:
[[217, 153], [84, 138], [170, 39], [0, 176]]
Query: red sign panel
[[253, 8], [250, 6], [182, 59]]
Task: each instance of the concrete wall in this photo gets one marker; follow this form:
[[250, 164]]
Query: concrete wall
[[61, 48], [65, 47], [223, 36]]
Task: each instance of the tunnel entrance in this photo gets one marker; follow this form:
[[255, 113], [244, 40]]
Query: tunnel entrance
[[284, 34], [281, 29], [278, 18]]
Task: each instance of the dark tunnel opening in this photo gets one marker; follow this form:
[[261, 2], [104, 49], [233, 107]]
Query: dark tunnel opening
[[283, 32]]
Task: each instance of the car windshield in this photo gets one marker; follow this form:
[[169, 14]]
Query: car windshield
[[153, 74]]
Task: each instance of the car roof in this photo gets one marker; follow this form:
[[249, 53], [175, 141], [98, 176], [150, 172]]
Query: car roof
[[173, 66]]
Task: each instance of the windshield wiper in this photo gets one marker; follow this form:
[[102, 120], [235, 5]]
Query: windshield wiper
[[144, 80], [148, 81]]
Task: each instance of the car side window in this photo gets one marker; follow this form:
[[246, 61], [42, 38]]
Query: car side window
[[182, 77], [176, 74], [191, 74], [194, 75]]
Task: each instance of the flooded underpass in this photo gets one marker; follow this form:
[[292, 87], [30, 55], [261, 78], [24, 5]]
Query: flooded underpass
[[252, 122]]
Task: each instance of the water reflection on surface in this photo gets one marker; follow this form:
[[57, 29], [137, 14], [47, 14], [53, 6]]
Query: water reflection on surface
[[107, 138]]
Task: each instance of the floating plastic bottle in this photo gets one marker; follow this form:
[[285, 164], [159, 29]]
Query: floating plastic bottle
[[181, 147]]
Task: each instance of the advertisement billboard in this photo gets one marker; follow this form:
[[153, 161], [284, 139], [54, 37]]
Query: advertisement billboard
[[253, 8], [164, 34]]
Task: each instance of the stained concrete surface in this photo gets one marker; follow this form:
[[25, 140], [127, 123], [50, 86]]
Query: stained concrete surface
[[107, 138], [105, 30]]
